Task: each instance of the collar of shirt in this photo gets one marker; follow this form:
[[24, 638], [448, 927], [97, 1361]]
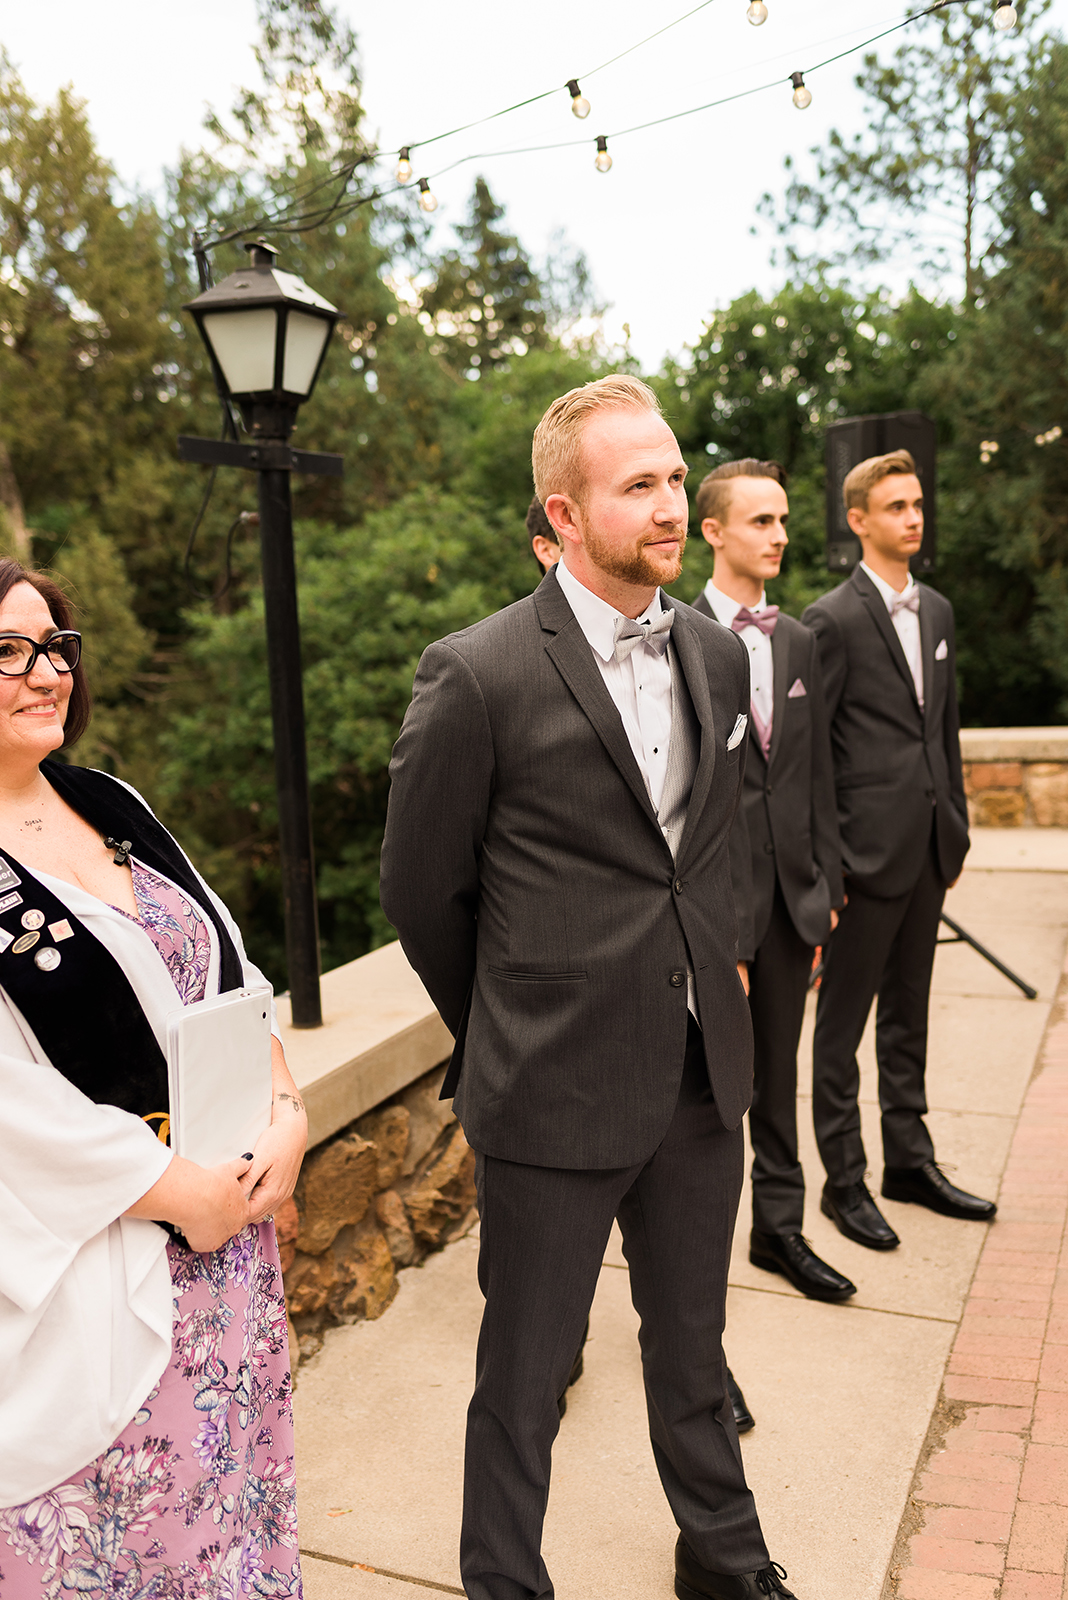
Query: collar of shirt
[[724, 608], [889, 595], [595, 616]]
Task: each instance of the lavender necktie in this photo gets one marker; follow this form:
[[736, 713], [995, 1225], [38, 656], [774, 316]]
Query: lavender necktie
[[764, 620]]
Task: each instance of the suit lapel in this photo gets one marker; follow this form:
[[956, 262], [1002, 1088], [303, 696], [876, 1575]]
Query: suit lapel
[[692, 660], [701, 604], [570, 651], [876, 607]]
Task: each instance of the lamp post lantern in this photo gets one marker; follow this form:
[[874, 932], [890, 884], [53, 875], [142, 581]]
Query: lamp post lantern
[[266, 333]]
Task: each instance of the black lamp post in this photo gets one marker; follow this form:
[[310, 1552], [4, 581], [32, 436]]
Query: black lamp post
[[267, 333]]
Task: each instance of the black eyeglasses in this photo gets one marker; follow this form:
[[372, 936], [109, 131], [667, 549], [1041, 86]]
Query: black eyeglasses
[[18, 655]]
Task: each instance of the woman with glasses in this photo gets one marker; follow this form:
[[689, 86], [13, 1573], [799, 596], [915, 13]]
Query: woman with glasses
[[146, 1442]]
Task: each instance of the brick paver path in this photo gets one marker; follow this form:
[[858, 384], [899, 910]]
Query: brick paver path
[[993, 1501]]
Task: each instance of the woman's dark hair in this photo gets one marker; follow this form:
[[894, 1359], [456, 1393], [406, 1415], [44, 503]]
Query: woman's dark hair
[[80, 704]]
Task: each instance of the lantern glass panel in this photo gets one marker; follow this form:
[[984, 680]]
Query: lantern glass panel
[[243, 342], [305, 338]]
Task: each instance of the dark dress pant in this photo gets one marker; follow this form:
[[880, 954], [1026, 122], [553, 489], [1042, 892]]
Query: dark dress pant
[[883, 947], [778, 983], [543, 1233]]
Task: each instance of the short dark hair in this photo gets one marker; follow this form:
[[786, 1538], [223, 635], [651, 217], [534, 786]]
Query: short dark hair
[[538, 522], [80, 704], [714, 498]]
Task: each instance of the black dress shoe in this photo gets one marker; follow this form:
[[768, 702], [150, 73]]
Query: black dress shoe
[[854, 1213], [928, 1186], [744, 1419], [794, 1257], [694, 1582]]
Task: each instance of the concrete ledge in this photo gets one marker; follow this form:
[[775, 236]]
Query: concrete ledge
[[1014, 744], [380, 1033]]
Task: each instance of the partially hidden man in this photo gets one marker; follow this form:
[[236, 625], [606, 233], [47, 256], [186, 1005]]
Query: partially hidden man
[[888, 656], [556, 863], [789, 886]]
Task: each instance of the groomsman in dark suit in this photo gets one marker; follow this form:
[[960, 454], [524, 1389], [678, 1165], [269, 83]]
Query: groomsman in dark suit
[[556, 862], [788, 870], [889, 673]]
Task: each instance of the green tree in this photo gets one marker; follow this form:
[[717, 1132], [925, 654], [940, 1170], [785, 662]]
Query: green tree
[[767, 377], [1004, 394], [485, 305], [922, 181]]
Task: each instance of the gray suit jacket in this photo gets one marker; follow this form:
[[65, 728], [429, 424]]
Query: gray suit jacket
[[788, 806], [526, 873], [894, 764]]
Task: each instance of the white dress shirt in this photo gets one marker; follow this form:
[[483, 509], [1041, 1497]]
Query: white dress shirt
[[761, 683], [640, 686], [906, 625]]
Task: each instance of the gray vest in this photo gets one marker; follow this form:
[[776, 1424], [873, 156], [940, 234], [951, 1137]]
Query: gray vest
[[684, 750]]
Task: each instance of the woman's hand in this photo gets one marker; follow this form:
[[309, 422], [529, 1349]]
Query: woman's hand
[[272, 1177], [209, 1204]]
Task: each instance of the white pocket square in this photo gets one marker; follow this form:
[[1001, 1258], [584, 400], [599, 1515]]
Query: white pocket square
[[943, 650], [738, 732], [796, 690]]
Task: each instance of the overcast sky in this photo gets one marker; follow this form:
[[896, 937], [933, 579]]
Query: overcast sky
[[668, 232]]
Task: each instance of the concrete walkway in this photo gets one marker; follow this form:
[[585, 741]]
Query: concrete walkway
[[848, 1399]]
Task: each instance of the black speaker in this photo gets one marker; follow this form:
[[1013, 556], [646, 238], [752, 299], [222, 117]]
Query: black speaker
[[855, 439]]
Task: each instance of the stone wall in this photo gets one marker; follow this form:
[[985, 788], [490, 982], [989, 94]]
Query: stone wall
[[380, 1194], [1016, 777]]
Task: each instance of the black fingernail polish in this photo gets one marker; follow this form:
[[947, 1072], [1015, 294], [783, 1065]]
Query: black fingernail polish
[[247, 1156]]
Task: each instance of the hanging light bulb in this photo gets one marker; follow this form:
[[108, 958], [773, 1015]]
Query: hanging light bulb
[[427, 201], [580, 106], [404, 167], [602, 160], [1005, 18], [802, 96], [757, 13]]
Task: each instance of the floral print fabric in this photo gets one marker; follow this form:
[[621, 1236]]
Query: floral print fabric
[[196, 1499], [176, 928]]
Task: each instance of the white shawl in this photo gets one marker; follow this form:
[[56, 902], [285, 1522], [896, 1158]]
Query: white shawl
[[85, 1293]]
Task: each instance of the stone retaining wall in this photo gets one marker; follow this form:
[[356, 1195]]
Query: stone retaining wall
[[385, 1191], [1016, 777]]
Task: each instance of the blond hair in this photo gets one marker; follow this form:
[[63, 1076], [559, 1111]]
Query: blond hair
[[714, 495], [866, 474], [556, 455]]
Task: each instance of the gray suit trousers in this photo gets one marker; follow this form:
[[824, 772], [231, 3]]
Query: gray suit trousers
[[778, 984], [883, 947], [542, 1240]]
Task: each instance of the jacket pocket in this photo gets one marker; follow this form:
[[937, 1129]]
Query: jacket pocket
[[538, 977]]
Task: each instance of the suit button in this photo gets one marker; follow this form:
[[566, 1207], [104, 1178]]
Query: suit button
[[769, 790], [931, 794], [678, 885], [677, 980], [769, 848]]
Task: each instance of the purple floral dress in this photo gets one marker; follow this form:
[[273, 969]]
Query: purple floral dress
[[196, 1499]]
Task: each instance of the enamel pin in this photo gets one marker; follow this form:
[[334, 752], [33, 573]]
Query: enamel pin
[[8, 879], [27, 942], [47, 959], [10, 901], [61, 930], [32, 919]]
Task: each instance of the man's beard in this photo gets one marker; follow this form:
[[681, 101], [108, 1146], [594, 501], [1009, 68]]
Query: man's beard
[[635, 568]]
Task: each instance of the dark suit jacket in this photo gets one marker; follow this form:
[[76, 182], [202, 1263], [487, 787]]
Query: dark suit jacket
[[535, 895], [893, 762], [788, 805]]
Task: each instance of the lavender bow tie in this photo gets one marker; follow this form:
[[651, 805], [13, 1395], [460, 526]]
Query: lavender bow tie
[[764, 620], [906, 602], [628, 635]]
